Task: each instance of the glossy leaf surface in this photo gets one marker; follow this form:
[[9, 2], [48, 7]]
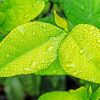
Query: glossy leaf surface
[[29, 48], [17, 12], [80, 53]]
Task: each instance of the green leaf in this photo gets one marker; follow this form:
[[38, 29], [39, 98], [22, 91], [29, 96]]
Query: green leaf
[[53, 69], [60, 21], [79, 94], [82, 11], [96, 95], [29, 48], [80, 53], [90, 91], [17, 12]]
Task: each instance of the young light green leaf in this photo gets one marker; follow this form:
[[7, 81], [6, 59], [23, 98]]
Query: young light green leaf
[[80, 53], [60, 21], [19, 11], [79, 94], [29, 48], [82, 11], [90, 91]]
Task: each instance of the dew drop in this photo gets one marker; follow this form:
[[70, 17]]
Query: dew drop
[[98, 41], [26, 16], [34, 63], [21, 7], [81, 71], [54, 71], [43, 62], [34, 33], [89, 59], [7, 55], [21, 40], [76, 73], [82, 51], [28, 69], [70, 64], [50, 48], [22, 30], [82, 7]]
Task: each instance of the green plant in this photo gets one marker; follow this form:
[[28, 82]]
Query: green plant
[[45, 49]]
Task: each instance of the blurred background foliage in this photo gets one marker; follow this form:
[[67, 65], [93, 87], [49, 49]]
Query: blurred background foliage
[[30, 87]]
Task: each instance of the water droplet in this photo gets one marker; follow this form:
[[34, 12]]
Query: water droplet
[[21, 40], [54, 71], [98, 41], [22, 30], [50, 48], [76, 73], [7, 55], [21, 7], [82, 7], [43, 62], [82, 51], [34, 63], [27, 69], [81, 71], [26, 16], [34, 33], [89, 59], [70, 64]]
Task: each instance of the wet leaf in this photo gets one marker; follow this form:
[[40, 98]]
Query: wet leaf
[[53, 69], [17, 12], [80, 53], [29, 48]]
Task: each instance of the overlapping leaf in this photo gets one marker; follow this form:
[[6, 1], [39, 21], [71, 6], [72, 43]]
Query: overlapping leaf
[[79, 94], [53, 69], [17, 12], [82, 11], [96, 95], [29, 48], [80, 53]]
